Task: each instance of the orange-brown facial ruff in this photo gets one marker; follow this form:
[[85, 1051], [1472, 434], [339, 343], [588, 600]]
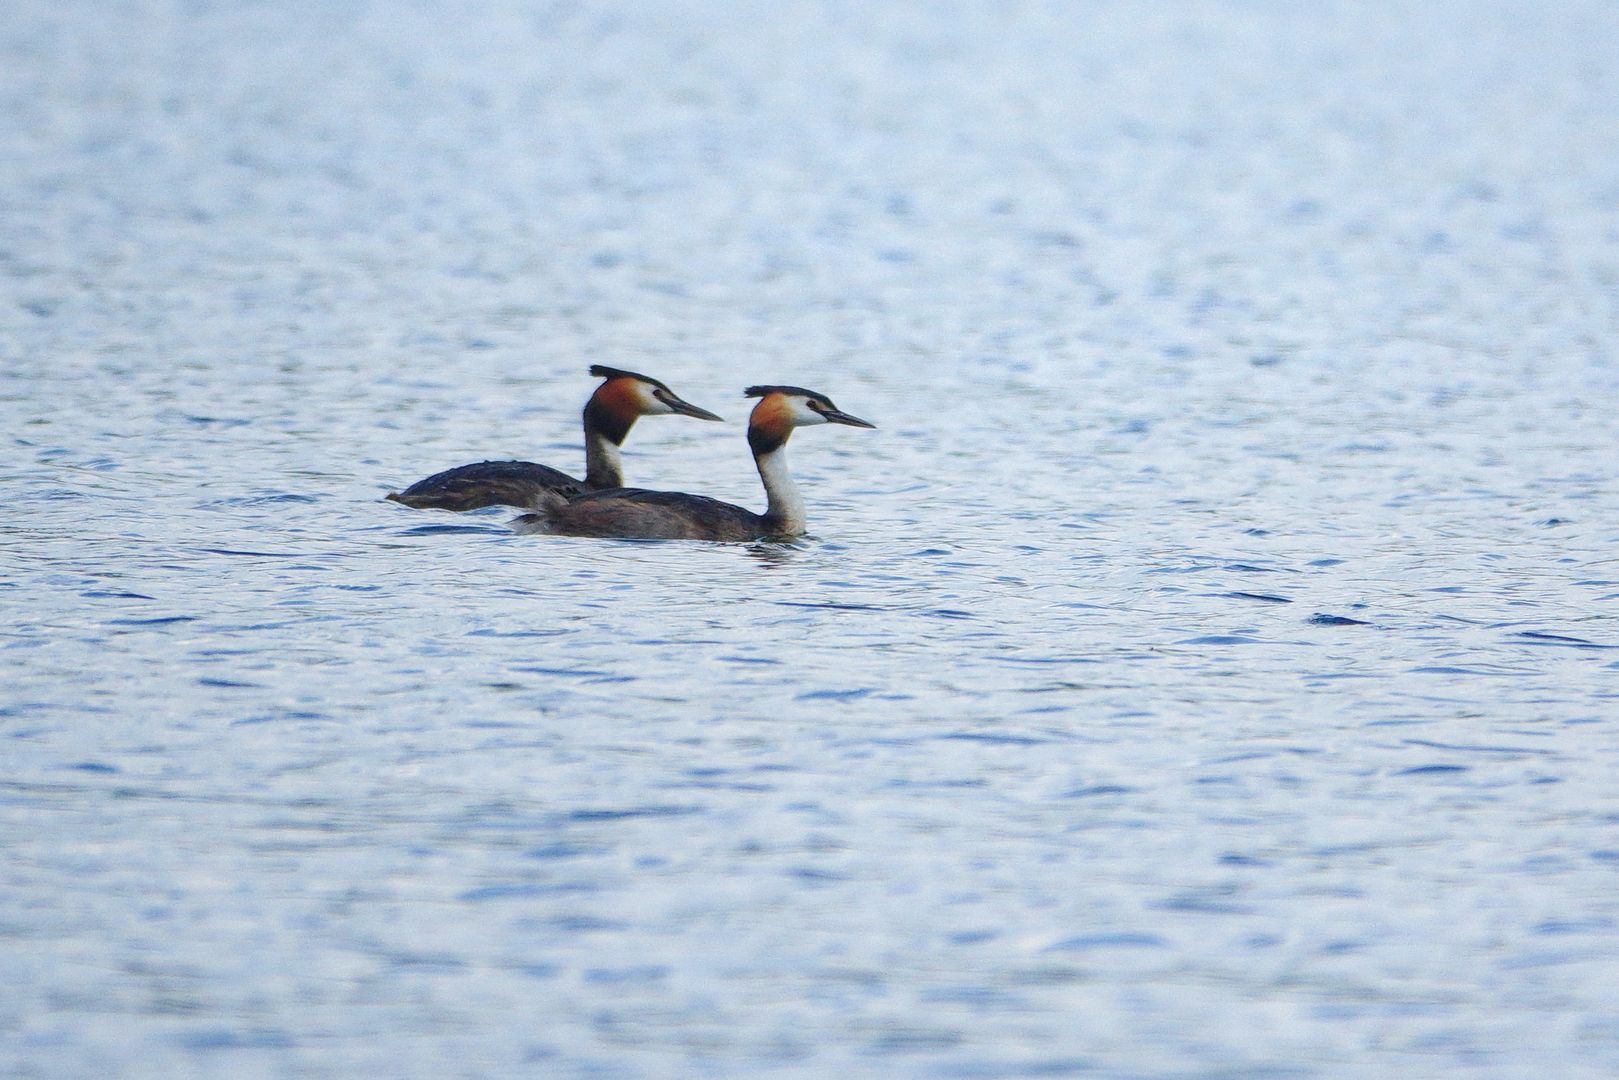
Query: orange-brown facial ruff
[[615, 406], [771, 423]]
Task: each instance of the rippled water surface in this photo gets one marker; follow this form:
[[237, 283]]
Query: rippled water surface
[[1208, 669]]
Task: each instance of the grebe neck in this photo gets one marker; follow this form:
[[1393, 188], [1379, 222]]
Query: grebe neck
[[604, 432], [785, 509]]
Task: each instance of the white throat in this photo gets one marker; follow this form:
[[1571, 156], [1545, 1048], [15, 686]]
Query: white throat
[[603, 466], [786, 505]]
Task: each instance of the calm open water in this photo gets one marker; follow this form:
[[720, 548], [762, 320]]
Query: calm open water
[[1209, 669]]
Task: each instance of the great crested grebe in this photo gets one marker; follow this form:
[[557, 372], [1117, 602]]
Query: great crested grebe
[[631, 513], [609, 414]]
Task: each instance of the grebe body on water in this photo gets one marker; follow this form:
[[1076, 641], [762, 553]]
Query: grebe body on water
[[612, 410], [632, 513]]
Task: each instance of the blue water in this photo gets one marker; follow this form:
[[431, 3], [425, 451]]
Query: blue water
[[1210, 668]]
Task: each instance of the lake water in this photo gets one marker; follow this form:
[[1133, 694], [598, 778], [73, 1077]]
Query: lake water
[[1210, 668]]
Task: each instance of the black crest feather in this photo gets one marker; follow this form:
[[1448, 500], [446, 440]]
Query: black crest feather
[[761, 391], [602, 371]]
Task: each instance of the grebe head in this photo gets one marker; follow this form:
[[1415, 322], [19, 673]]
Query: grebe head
[[789, 407], [628, 394], [783, 408]]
